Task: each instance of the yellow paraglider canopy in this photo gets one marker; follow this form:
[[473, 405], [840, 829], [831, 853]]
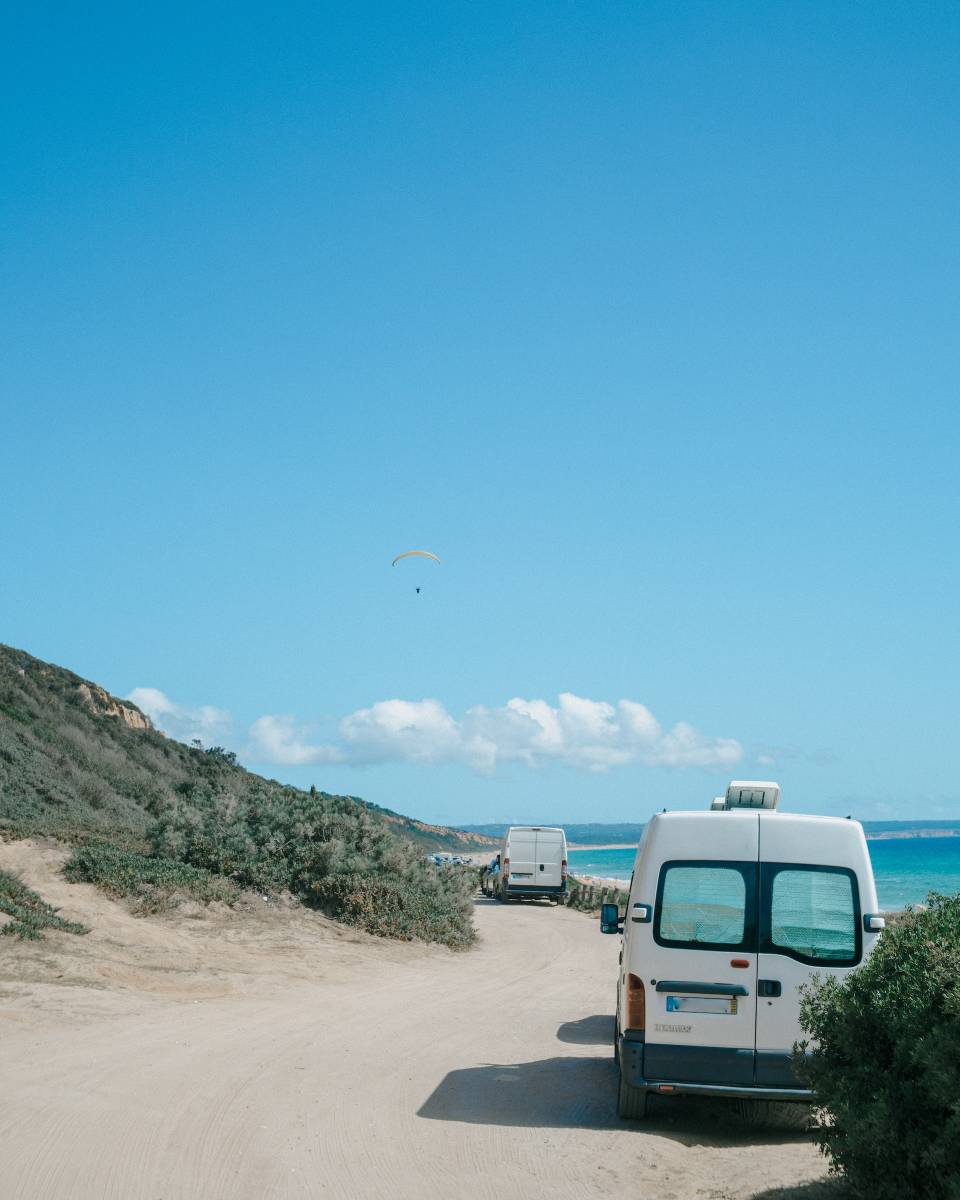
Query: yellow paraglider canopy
[[420, 553]]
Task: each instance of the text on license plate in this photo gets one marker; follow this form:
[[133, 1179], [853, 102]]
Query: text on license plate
[[703, 1004]]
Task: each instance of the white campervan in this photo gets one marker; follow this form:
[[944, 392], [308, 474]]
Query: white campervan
[[533, 863], [730, 911]]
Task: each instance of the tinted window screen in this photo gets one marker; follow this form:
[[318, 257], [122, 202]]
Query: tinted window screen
[[703, 905], [813, 914]]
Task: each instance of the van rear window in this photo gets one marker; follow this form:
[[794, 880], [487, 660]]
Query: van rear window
[[706, 904], [811, 913]]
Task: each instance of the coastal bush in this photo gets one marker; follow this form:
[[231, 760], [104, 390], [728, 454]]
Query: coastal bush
[[326, 850], [885, 1062], [397, 907], [81, 766], [31, 915], [152, 882]]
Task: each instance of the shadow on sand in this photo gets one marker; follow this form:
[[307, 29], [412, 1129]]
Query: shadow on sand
[[581, 1093], [820, 1189], [588, 1031]]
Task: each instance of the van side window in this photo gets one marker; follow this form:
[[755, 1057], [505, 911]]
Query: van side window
[[706, 904], [811, 913]]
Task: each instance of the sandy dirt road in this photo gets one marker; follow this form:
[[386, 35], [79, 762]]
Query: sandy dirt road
[[306, 1063]]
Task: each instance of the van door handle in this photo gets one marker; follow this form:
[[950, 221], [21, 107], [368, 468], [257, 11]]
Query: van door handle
[[701, 989], [769, 987]]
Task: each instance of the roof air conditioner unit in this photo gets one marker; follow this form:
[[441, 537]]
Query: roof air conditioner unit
[[746, 793]]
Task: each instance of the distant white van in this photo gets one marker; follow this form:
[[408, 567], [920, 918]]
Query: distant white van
[[533, 863], [730, 911]]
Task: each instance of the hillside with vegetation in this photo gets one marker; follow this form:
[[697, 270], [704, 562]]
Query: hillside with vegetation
[[151, 816]]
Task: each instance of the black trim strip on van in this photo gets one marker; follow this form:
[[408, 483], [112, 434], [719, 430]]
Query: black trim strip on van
[[701, 989]]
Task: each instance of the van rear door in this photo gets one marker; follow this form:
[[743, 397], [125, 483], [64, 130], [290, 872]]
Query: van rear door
[[549, 858], [522, 849], [700, 962], [810, 920]]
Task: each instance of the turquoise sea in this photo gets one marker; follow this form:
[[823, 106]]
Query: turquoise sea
[[906, 868]]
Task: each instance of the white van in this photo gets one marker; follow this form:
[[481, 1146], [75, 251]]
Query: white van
[[730, 911], [533, 863]]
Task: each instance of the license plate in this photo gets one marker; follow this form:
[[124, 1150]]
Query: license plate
[[521, 874], [727, 1005]]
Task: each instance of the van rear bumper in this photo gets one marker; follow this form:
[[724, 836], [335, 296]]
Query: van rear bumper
[[631, 1058], [533, 890]]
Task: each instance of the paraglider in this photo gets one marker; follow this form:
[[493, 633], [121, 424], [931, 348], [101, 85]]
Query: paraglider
[[408, 553], [415, 554]]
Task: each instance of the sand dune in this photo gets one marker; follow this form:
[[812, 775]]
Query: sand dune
[[270, 1053]]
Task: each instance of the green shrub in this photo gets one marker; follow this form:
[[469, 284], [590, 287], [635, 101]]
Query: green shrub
[[74, 768], [395, 907], [152, 881], [31, 915], [886, 1062], [328, 851]]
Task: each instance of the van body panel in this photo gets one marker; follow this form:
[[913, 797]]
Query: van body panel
[[551, 853], [730, 1066], [669, 947], [522, 853], [536, 855], [775, 1068], [747, 905], [795, 891]]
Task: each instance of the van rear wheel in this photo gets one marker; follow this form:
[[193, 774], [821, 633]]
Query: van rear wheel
[[631, 1102]]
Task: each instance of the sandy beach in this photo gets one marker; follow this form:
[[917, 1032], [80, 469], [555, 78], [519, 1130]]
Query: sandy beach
[[272, 1053], [609, 846]]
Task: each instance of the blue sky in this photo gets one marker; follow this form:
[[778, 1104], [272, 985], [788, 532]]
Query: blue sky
[[642, 316]]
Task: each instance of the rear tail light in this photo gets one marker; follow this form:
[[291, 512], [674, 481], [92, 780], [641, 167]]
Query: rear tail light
[[506, 866], [636, 1003], [563, 870]]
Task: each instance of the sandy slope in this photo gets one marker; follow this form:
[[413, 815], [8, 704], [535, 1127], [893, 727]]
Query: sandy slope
[[270, 1054]]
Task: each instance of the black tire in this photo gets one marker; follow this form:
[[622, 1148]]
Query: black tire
[[631, 1102], [502, 896]]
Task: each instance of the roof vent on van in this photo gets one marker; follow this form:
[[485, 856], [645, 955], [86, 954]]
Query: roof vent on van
[[718, 804], [746, 793]]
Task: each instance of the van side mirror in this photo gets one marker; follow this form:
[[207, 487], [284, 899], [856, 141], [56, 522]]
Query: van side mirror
[[610, 919]]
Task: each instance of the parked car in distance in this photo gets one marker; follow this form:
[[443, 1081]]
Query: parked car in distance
[[533, 863], [490, 877], [730, 912]]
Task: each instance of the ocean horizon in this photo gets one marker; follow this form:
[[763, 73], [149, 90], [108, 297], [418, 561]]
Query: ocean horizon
[[905, 868]]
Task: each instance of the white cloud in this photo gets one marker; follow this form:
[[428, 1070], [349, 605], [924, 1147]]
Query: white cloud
[[591, 735], [207, 723], [588, 735], [276, 739]]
